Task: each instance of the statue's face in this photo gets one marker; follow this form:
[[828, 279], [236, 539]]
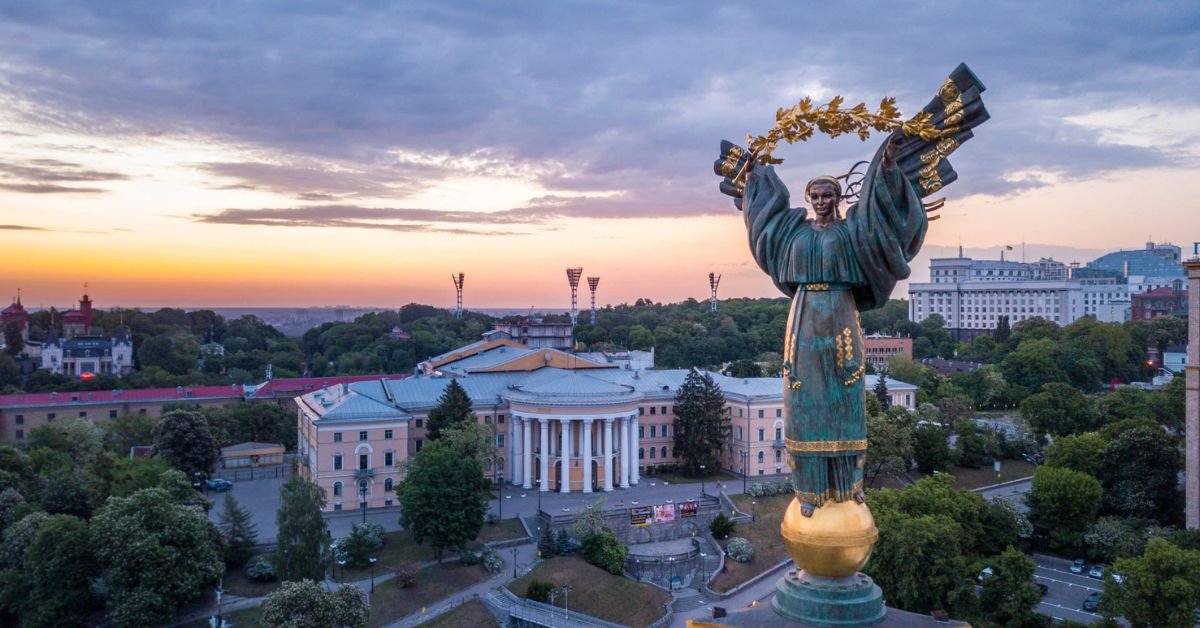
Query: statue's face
[[824, 199]]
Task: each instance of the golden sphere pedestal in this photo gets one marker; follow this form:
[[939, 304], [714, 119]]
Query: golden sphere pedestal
[[829, 547]]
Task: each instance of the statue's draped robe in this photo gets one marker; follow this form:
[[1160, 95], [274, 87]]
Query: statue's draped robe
[[831, 274]]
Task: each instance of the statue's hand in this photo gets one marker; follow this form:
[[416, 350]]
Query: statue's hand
[[889, 149]]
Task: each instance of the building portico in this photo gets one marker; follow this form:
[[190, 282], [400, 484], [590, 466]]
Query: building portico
[[584, 445]]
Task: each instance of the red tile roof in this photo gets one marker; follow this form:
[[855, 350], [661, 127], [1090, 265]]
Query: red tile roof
[[287, 388], [144, 395]]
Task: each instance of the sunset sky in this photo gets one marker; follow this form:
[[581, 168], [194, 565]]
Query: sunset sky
[[317, 153]]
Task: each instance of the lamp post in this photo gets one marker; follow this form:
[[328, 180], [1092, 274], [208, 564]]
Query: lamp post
[[500, 496], [362, 494], [514, 552], [702, 480], [753, 511], [566, 589], [745, 470], [372, 559], [342, 573], [638, 562]]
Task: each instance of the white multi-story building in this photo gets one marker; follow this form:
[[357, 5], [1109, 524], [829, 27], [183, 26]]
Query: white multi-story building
[[971, 295]]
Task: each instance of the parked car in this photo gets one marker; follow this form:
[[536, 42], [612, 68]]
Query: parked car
[[1118, 578], [1079, 566], [1092, 603], [1097, 572], [1042, 589], [219, 484], [984, 575]]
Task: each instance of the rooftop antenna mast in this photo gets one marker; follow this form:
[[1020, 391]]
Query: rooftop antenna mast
[[714, 280], [573, 275], [458, 284], [592, 283]]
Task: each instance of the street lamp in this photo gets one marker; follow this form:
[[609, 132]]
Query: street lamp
[[362, 493], [638, 562], [372, 559], [514, 552], [744, 469], [566, 589], [500, 496], [753, 511], [702, 480], [342, 574]]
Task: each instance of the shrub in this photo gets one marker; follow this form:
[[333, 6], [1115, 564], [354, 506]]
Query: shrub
[[469, 558], [356, 549], [562, 542], [373, 531], [492, 561], [721, 526], [766, 489], [260, 569], [604, 550], [406, 574], [739, 549], [539, 591]]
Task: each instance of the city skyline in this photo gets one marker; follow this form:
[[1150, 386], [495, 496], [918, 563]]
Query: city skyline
[[294, 156]]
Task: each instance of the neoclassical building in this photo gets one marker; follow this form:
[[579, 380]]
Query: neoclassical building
[[562, 423]]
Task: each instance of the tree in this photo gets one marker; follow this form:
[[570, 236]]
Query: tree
[[881, 390], [701, 425], [1161, 588], [1008, 595], [889, 445], [176, 352], [14, 343], [971, 448], [157, 555], [546, 545], [306, 604], [745, 368], [604, 550], [1002, 330], [453, 408], [240, 532], [301, 530], [1062, 504], [1059, 410], [1139, 471], [185, 439], [255, 422], [1033, 363], [931, 449], [128, 430], [591, 520], [1079, 452], [59, 566], [440, 498], [917, 560]]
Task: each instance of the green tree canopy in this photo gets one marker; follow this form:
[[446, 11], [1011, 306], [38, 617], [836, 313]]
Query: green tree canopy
[[1079, 452], [306, 604], [59, 566], [1009, 597], [1059, 410], [1139, 471], [701, 426], [301, 530], [440, 500], [1062, 504], [1161, 588], [240, 532], [453, 408], [889, 445], [185, 439]]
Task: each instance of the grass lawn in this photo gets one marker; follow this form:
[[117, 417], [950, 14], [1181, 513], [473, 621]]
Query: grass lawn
[[391, 601], [967, 479], [473, 613], [675, 478], [399, 546], [763, 534], [598, 593]]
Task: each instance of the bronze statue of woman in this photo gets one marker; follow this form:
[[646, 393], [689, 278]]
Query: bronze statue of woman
[[833, 267]]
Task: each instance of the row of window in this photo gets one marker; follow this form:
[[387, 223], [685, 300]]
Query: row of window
[[761, 412], [762, 434], [388, 485], [362, 436], [19, 419], [389, 459], [654, 410]]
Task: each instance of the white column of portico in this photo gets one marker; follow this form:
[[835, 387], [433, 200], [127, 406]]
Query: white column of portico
[[623, 428], [607, 433], [565, 470], [587, 455], [527, 458], [635, 443], [544, 428]]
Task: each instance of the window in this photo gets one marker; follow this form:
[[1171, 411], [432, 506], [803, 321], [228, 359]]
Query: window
[[761, 456], [760, 413], [388, 458], [778, 413], [420, 423], [487, 419], [362, 436], [20, 419], [664, 410], [500, 419], [83, 414], [337, 437], [760, 471], [664, 452], [779, 433], [337, 507], [641, 453], [387, 434], [500, 440], [337, 489], [641, 431], [778, 455], [653, 431], [141, 411], [337, 462], [387, 485], [20, 434], [652, 410], [652, 452], [641, 411], [761, 432], [418, 444], [362, 461], [112, 414], [739, 433]]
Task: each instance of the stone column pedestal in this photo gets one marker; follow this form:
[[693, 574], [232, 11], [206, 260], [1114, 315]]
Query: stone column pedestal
[[819, 601]]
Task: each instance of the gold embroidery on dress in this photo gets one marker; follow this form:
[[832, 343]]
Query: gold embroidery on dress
[[816, 287], [824, 446]]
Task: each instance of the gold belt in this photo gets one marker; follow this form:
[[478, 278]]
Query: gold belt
[[824, 446]]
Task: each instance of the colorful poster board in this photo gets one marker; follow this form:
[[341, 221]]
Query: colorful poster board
[[664, 513], [688, 509], [640, 515]]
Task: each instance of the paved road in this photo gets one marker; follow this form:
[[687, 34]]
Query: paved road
[[1014, 493]]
